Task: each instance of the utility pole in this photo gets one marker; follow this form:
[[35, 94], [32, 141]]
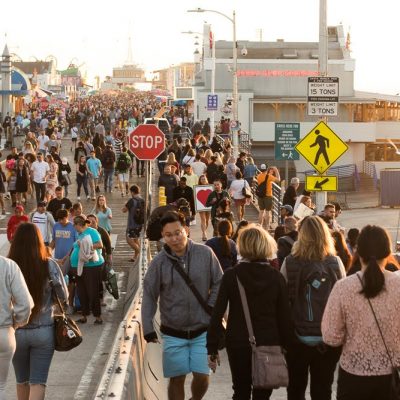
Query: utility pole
[[321, 197]]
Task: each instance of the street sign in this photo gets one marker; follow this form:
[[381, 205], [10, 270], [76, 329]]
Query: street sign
[[212, 102], [321, 147], [287, 136], [321, 183], [323, 96], [147, 142]]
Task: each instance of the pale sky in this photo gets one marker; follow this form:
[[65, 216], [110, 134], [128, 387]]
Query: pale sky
[[96, 33]]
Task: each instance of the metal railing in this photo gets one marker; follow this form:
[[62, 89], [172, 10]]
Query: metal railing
[[244, 140], [369, 168]]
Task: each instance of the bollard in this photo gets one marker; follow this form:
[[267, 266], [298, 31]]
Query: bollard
[[162, 200]]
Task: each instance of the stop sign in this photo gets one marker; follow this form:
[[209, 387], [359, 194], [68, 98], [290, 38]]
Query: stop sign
[[146, 142]]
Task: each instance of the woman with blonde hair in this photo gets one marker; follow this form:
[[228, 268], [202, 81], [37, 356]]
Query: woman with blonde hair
[[269, 309], [218, 159], [103, 213], [208, 154], [311, 270], [171, 160], [189, 158], [52, 178]]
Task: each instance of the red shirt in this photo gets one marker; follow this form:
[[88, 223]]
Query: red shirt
[[13, 223]]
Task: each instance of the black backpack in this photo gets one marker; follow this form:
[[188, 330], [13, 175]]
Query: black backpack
[[314, 283], [261, 190], [138, 215], [122, 163]]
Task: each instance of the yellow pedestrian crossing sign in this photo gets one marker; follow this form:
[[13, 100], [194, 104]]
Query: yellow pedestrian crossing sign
[[321, 147], [321, 183]]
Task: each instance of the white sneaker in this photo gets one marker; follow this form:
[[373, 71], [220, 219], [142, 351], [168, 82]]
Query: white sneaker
[[87, 197], [193, 222], [79, 198]]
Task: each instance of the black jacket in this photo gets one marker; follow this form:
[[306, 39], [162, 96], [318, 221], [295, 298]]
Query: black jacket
[[285, 247], [268, 303]]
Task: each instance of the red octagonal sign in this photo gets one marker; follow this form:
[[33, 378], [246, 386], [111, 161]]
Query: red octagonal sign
[[146, 142]]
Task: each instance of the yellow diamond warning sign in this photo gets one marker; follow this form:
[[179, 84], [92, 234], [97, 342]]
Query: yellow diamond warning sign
[[321, 147]]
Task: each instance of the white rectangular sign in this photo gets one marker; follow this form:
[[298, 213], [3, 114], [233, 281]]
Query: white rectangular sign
[[323, 96]]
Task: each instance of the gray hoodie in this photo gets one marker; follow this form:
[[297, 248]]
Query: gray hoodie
[[179, 308]]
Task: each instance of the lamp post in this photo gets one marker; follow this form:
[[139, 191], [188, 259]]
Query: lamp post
[[235, 136]]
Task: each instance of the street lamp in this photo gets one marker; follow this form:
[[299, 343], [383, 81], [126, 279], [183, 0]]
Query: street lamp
[[235, 137]]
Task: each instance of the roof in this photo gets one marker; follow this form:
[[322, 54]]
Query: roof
[[70, 72], [29, 67]]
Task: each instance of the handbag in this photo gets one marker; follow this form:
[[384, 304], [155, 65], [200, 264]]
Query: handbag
[[204, 305], [245, 192], [268, 364], [67, 334], [395, 378]]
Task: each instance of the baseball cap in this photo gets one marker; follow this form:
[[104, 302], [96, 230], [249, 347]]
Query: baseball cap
[[263, 167], [42, 203], [288, 208], [19, 207], [64, 160]]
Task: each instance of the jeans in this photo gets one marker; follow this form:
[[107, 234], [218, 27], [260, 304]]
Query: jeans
[[81, 180], [7, 349], [108, 179], [32, 358], [139, 167], [240, 366], [40, 189], [88, 290], [320, 361], [93, 183], [355, 387]]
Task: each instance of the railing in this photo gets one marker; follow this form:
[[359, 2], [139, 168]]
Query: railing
[[369, 168], [244, 140]]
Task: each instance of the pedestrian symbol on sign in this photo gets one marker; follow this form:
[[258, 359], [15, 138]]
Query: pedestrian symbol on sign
[[323, 143]]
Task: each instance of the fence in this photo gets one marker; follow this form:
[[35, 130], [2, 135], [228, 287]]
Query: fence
[[369, 168]]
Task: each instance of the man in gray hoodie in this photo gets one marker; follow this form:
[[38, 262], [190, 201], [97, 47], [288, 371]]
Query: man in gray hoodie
[[184, 321]]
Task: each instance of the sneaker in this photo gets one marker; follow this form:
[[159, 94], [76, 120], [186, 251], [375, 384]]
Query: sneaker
[[79, 198], [3, 212], [122, 194], [94, 198], [97, 189], [193, 222], [87, 197]]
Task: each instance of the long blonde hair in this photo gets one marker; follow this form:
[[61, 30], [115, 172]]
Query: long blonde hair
[[315, 242]]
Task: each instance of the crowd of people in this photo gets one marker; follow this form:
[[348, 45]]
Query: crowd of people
[[310, 289]]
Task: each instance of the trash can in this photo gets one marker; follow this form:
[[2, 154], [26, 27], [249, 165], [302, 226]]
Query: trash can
[[390, 187]]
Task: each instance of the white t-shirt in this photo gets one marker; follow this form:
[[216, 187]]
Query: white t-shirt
[[199, 168], [39, 170], [40, 220], [236, 188], [42, 140]]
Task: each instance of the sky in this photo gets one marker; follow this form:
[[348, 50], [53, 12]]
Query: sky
[[95, 34]]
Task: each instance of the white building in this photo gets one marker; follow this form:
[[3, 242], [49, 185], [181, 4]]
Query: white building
[[272, 87]]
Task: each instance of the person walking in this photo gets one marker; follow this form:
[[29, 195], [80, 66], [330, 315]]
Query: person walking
[[16, 219], [82, 178], [103, 213], [94, 170], [52, 178], [123, 166], [60, 202], [170, 181], [184, 322], [22, 183], [204, 215], [39, 172], [44, 221], [108, 163], [64, 169], [290, 196], [135, 207], [311, 270], [268, 303], [15, 309], [250, 171], [360, 317], [239, 191], [35, 341], [87, 263], [214, 199]]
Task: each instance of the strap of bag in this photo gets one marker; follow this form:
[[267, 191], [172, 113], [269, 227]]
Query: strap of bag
[[53, 289], [377, 324], [246, 312], [192, 287]]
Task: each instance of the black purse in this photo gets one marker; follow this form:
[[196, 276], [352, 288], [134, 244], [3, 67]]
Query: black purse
[[395, 379], [67, 335], [204, 305]]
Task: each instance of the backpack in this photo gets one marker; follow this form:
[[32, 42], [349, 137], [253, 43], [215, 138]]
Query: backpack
[[138, 215], [314, 283], [261, 190], [108, 159], [122, 163]]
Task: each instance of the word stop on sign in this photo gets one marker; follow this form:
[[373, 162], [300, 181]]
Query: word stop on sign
[[148, 142]]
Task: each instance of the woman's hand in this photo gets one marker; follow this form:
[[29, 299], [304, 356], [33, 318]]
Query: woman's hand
[[213, 361]]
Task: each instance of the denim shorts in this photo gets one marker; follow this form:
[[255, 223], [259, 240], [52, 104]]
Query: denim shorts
[[182, 356], [32, 358]]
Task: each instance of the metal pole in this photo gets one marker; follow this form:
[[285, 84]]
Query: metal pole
[[286, 174], [321, 197], [235, 134], [212, 123]]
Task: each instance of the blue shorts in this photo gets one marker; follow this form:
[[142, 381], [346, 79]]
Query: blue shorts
[[182, 356]]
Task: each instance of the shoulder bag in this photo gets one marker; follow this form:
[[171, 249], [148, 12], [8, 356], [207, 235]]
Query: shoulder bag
[[67, 335], [204, 305], [395, 379], [268, 364]]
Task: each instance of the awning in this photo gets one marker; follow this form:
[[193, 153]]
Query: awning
[[179, 102], [38, 92]]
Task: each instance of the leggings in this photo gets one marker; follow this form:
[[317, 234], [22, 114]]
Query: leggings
[[7, 349]]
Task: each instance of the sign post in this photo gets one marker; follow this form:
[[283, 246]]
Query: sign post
[[287, 136]]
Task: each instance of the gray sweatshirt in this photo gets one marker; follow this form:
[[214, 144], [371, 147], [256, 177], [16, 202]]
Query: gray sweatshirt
[[15, 301], [179, 309]]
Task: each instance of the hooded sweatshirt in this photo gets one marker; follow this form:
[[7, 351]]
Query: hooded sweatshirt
[[268, 302], [179, 308]]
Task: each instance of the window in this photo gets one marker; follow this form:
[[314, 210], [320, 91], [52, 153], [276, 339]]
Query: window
[[381, 152]]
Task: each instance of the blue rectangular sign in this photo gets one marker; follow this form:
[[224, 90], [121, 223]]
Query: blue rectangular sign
[[212, 102]]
